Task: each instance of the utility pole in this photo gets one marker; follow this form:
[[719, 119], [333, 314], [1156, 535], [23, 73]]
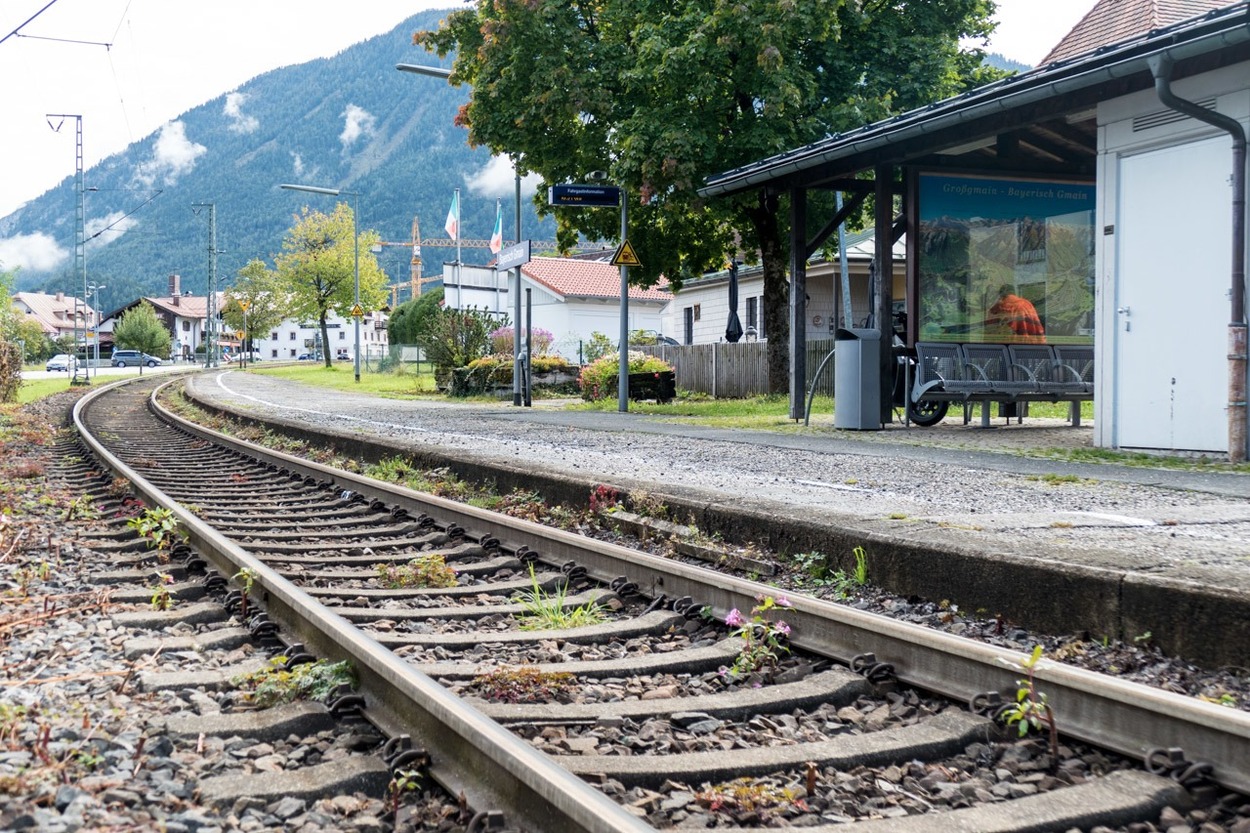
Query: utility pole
[[80, 238], [211, 336]]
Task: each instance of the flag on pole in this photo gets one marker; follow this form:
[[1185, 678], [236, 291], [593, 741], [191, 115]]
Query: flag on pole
[[496, 237], [453, 216]]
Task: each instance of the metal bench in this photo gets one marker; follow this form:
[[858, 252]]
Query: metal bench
[[1014, 375]]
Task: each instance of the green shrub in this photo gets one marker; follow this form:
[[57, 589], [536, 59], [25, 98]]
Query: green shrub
[[599, 378]]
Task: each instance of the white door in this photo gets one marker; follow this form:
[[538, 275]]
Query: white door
[[1172, 304]]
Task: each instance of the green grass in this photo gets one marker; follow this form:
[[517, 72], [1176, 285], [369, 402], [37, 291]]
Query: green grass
[[760, 412], [35, 389], [341, 376]]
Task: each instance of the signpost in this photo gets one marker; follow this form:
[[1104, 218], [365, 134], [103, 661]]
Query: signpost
[[510, 257], [607, 196]]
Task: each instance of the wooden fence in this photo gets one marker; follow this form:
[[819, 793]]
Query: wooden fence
[[728, 371]]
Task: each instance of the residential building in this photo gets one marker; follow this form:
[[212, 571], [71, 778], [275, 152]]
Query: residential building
[[699, 311], [572, 298], [58, 315]]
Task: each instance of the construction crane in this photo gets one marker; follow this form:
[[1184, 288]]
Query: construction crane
[[416, 281]]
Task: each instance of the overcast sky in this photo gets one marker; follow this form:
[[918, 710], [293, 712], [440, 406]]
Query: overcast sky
[[130, 66]]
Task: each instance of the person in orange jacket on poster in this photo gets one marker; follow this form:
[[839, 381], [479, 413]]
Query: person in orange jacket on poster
[[1018, 315]]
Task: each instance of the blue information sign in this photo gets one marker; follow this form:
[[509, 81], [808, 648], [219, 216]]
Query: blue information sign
[[585, 196]]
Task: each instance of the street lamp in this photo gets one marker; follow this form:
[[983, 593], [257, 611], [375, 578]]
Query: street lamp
[[94, 289], [334, 192], [439, 72]]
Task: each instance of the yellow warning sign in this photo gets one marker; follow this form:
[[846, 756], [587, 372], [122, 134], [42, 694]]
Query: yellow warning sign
[[357, 311], [239, 334], [243, 305], [626, 256]]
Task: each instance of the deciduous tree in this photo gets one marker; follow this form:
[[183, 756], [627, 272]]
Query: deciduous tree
[[141, 329], [267, 300], [663, 95], [317, 265]]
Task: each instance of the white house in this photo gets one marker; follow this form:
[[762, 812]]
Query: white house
[[292, 339], [572, 298], [699, 310]]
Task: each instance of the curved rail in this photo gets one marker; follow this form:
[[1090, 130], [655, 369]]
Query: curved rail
[[491, 764]]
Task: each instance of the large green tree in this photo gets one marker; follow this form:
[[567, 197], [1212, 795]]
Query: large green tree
[[317, 267], [257, 302], [142, 329], [411, 318], [661, 95]]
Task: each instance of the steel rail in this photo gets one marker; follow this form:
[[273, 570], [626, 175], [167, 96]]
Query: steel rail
[[489, 764], [1126, 717]]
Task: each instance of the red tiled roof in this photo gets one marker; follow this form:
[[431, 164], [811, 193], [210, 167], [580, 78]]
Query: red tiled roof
[[588, 279], [185, 306], [1112, 21]]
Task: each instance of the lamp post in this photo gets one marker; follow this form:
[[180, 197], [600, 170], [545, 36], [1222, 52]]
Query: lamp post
[[439, 72], [94, 289], [334, 192]]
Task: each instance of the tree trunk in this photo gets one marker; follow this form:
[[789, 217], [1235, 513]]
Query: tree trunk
[[325, 340], [776, 302]]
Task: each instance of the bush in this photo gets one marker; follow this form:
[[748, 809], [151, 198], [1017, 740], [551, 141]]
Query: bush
[[10, 370], [599, 378], [452, 338], [597, 347]]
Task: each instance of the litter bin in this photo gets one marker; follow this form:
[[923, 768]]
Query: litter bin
[[857, 379]]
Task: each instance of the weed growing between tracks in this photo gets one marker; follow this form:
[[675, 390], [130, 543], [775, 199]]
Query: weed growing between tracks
[[277, 684], [523, 684], [548, 611], [426, 570]]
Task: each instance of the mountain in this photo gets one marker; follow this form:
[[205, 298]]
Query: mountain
[[351, 122], [1001, 61]]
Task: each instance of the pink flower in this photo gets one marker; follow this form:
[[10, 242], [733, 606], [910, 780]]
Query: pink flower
[[782, 628], [782, 601], [734, 618]]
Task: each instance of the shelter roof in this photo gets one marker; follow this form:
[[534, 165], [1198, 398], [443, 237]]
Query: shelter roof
[[572, 278]]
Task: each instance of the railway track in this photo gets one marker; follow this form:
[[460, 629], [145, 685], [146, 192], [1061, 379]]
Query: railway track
[[641, 727]]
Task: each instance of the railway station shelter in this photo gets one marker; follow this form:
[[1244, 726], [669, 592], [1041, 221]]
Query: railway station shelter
[[1106, 188]]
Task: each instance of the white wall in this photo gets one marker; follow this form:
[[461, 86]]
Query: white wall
[[570, 321]]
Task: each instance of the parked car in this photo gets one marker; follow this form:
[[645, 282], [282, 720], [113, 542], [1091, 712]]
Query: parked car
[[310, 357], [133, 358], [61, 361]]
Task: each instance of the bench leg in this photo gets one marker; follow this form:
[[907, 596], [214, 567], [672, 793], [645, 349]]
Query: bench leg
[[1076, 413], [985, 414]]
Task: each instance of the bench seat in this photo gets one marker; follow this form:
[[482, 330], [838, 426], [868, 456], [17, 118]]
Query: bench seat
[[1005, 373]]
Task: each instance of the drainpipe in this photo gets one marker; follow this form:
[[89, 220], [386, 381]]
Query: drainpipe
[[1161, 67]]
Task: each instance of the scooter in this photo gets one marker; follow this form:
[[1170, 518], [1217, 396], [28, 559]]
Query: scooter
[[926, 412]]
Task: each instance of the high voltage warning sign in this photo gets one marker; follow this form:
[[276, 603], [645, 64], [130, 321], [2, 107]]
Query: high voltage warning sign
[[626, 256]]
